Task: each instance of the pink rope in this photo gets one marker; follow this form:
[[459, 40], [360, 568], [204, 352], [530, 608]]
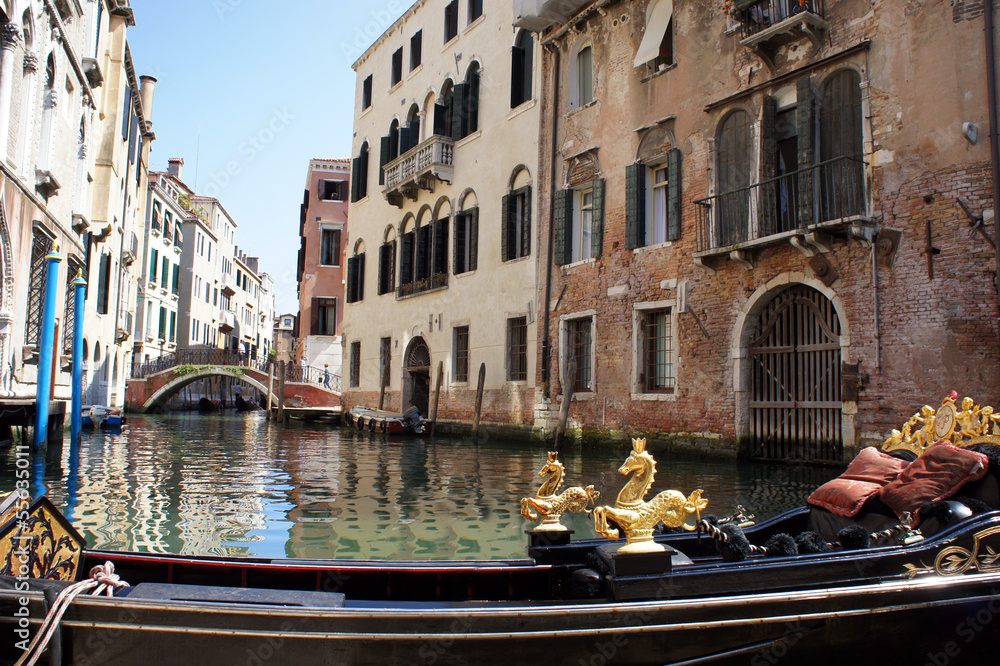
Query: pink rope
[[102, 579]]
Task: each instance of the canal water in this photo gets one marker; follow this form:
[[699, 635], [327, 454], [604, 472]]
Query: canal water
[[240, 485]]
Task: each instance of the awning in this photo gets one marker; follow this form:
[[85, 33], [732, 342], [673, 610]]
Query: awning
[[657, 19]]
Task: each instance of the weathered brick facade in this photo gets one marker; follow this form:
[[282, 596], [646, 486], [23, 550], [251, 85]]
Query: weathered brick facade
[[917, 87]]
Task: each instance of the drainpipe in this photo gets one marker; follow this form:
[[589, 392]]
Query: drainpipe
[[991, 87], [550, 254]]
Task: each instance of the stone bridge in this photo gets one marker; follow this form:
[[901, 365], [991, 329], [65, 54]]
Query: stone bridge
[[153, 384]]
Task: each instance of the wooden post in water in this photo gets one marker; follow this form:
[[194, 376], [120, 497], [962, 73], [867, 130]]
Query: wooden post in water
[[270, 386], [479, 399], [569, 381], [385, 382], [437, 397], [281, 392]]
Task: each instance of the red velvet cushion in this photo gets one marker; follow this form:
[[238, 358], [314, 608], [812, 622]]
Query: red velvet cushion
[[940, 471], [865, 476]]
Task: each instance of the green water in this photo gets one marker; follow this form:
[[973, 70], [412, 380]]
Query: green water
[[239, 485]]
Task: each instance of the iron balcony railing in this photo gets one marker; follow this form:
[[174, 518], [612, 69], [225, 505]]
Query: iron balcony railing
[[825, 192], [755, 17], [424, 284]]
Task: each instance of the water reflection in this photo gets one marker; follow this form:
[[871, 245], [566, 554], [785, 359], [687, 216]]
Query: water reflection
[[238, 485]]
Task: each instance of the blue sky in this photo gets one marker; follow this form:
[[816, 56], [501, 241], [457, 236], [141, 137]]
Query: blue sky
[[248, 92]]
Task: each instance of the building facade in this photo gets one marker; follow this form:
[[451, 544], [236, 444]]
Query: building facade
[[442, 252], [321, 265], [756, 219]]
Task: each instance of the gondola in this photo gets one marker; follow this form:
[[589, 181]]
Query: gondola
[[392, 423], [696, 589]]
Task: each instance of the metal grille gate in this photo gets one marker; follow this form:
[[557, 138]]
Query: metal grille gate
[[795, 401]]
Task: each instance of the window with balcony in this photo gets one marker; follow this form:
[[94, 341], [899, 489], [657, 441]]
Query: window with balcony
[[450, 21], [356, 274], [521, 63], [578, 344], [355, 376], [397, 67], [515, 224], [460, 355], [423, 263], [157, 214], [517, 349], [579, 223], [330, 247], [416, 43], [324, 316], [466, 255], [387, 264], [366, 92], [656, 344], [653, 202], [359, 174]]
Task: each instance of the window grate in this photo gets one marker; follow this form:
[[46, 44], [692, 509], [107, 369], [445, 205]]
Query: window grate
[[40, 245], [517, 349], [657, 343], [462, 354], [578, 333]]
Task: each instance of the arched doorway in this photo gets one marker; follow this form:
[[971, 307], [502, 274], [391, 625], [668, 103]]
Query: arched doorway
[[417, 376], [795, 407]]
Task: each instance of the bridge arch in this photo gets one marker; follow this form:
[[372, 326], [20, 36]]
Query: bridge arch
[[175, 385]]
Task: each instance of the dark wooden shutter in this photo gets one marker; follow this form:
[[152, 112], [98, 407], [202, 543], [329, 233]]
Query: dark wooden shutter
[[423, 251], [563, 229], [505, 228], [459, 261], [406, 259], [393, 143], [474, 239], [414, 131], [314, 317], [440, 118], [360, 279], [363, 176], [404, 140], [597, 220], [635, 206], [472, 104], [458, 111], [383, 159], [674, 207], [351, 277], [384, 268], [355, 175], [441, 246], [526, 222], [516, 77], [766, 199], [803, 131]]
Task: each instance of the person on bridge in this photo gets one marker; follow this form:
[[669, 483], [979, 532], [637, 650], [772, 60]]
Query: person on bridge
[[326, 376]]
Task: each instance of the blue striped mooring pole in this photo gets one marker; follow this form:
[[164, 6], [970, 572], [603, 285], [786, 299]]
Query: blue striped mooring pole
[[43, 391]]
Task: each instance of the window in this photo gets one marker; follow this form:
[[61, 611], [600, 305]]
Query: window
[[466, 241], [163, 323], [359, 174], [366, 92], [515, 214], [384, 361], [356, 278], [517, 349], [579, 343], [460, 355], [657, 47], [104, 284], [415, 44], [841, 139], [584, 79], [451, 21], [156, 216], [154, 264], [423, 263], [460, 117], [355, 379], [324, 316], [733, 147], [386, 267], [653, 203], [173, 326], [579, 223], [475, 9], [330, 247], [40, 244], [397, 67], [332, 190], [175, 285], [521, 61], [656, 364], [165, 273], [472, 100], [287, 321]]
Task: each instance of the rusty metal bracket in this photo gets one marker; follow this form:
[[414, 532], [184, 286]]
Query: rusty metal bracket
[[977, 223], [698, 320]]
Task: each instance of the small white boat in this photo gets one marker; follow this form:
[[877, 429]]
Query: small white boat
[[102, 416]]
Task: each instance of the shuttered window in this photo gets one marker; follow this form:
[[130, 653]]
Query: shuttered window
[[386, 267], [465, 241]]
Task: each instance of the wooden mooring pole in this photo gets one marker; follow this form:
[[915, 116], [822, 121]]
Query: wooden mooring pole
[[385, 382], [479, 399], [281, 392], [437, 397], [567, 398], [270, 387]]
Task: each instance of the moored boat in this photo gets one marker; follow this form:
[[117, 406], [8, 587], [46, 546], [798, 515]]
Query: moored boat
[[101, 416], [393, 423]]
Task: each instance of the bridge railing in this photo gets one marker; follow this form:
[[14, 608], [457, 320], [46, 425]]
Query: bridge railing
[[294, 373], [310, 375]]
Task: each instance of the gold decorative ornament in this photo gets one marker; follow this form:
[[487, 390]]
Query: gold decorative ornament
[[969, 425], [636, 517], [549, 507], [955, 560]]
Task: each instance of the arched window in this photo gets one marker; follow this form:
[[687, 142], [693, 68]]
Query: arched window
[[841, 138], [515, 217], [356, 274], [472, 103], [407, 242], [466, 236], [521, 63], [387, 262], [359, 174], [443, 110], [388, 150], [582, 76], [733, 174], [409, 136]]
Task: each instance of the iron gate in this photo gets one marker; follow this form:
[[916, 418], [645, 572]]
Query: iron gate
[[795, 400]]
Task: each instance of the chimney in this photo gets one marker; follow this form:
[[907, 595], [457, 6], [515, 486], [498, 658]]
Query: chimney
[[146, 88], [174, 166]]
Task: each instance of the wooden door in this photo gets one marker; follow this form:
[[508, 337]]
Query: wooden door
[[795, 401]]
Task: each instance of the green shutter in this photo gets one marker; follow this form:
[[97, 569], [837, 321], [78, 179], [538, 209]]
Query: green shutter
[[360, 278], [674, 207], [459, 112], [635, 206], [803, 131], [504, 228], [562, 228], [383, 159], [355, 175], [597, 220]]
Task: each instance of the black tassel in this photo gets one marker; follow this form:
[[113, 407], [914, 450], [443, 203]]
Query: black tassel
[[854, 537], [811, 542], [736, 546], [781, 545]]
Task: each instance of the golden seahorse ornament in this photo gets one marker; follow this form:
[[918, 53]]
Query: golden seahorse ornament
[[549, 507], [638, 518]]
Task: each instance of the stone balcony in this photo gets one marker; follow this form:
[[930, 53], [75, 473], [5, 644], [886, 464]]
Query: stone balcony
[[419, 169]]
